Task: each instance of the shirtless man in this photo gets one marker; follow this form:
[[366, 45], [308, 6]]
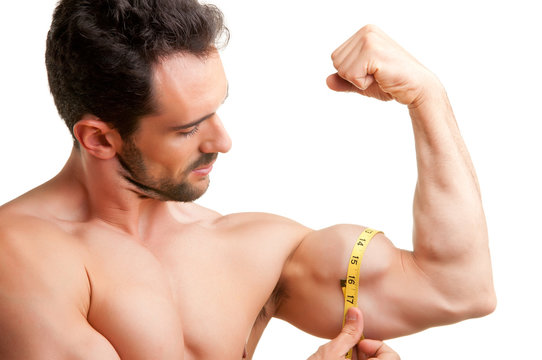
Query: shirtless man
[[112, 259]]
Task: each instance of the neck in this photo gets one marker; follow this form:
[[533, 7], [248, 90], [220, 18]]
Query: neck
[[104, 195]]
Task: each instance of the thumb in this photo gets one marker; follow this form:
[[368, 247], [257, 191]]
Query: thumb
[[353, 326], [366, 86], [347, 339], [350, 334], [337, 83]]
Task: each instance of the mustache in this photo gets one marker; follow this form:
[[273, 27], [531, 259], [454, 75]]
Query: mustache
[[205, 159]]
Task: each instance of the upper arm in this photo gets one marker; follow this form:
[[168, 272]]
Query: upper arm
[[396, 296], [43, 295]]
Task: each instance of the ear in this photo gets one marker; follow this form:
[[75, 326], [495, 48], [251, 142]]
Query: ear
[[97, 137]]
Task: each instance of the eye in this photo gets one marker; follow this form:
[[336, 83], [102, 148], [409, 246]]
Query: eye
[[191, 132]]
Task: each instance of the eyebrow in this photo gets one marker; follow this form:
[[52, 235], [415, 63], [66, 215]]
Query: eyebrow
[[192, 124], [200, 120]]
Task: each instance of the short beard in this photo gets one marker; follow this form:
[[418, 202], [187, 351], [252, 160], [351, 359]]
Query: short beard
[[135, 172]]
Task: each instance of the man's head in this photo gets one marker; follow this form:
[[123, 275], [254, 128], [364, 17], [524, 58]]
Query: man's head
[[100, 53], [149, 69]]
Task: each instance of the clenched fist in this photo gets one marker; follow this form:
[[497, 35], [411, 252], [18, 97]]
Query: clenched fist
[[374, 65]]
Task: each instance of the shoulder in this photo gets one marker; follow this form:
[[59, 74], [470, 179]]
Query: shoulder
[[265, 227], [44, 290], [255, 225], [205, 214], [18, 227], [26, 216], [38, 252], [259, 219]]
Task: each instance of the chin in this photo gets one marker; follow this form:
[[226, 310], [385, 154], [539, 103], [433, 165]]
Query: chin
[[192, 192]]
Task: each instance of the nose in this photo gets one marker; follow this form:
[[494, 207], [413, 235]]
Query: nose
[[217, 138]]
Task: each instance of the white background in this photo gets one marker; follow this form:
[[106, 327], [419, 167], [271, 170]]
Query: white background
[[323, 158]]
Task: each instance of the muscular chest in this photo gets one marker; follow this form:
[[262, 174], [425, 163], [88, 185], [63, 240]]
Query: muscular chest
[[220, 287], [190, 290]]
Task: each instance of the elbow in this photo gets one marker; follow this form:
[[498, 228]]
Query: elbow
[[479, 293], [483, 304], [474, 303], [463, 297]]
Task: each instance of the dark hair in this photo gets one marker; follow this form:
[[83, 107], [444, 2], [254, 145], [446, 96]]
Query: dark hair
[[100, 53]]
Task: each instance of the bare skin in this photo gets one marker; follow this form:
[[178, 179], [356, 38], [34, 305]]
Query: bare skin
[[93, 266], [349, 338]]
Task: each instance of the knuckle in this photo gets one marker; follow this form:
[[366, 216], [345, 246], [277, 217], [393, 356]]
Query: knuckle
[[343, 72], [322, 352], [350, 76], [370, 46], [350, 331], [336, 64], [370, 34], [370, 28]]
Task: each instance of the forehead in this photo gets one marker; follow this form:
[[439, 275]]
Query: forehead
[[187, 87]]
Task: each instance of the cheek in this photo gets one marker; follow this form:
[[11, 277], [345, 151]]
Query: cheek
[[172, 163], [175, 160], [170, 156], [166, 159]]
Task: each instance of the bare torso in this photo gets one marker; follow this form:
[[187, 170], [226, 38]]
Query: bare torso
[[192, 281]]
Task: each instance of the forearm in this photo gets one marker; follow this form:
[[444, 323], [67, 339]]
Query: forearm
[[450, 232], [447, 198]]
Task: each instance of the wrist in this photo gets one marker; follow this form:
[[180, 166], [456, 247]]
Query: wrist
[[431, 94]]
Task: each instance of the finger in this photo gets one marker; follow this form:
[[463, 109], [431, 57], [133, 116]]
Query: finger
[[337, 83], [350, 333], [354, 70], [348, 338], [363, 82], [356, 40], [360, 69], [355, 65], [377, 350], [342, 51]]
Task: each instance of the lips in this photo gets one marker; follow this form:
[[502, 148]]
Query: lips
[[204, 164], [203, 170]]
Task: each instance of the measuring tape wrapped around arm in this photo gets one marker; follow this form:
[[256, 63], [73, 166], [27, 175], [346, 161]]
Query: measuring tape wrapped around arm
[[350, 285]]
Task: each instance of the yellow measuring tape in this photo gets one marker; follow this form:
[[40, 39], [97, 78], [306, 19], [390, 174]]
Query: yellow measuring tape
[[351, 284]]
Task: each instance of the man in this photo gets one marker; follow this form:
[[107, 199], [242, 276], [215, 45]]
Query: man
[[111, 258]]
